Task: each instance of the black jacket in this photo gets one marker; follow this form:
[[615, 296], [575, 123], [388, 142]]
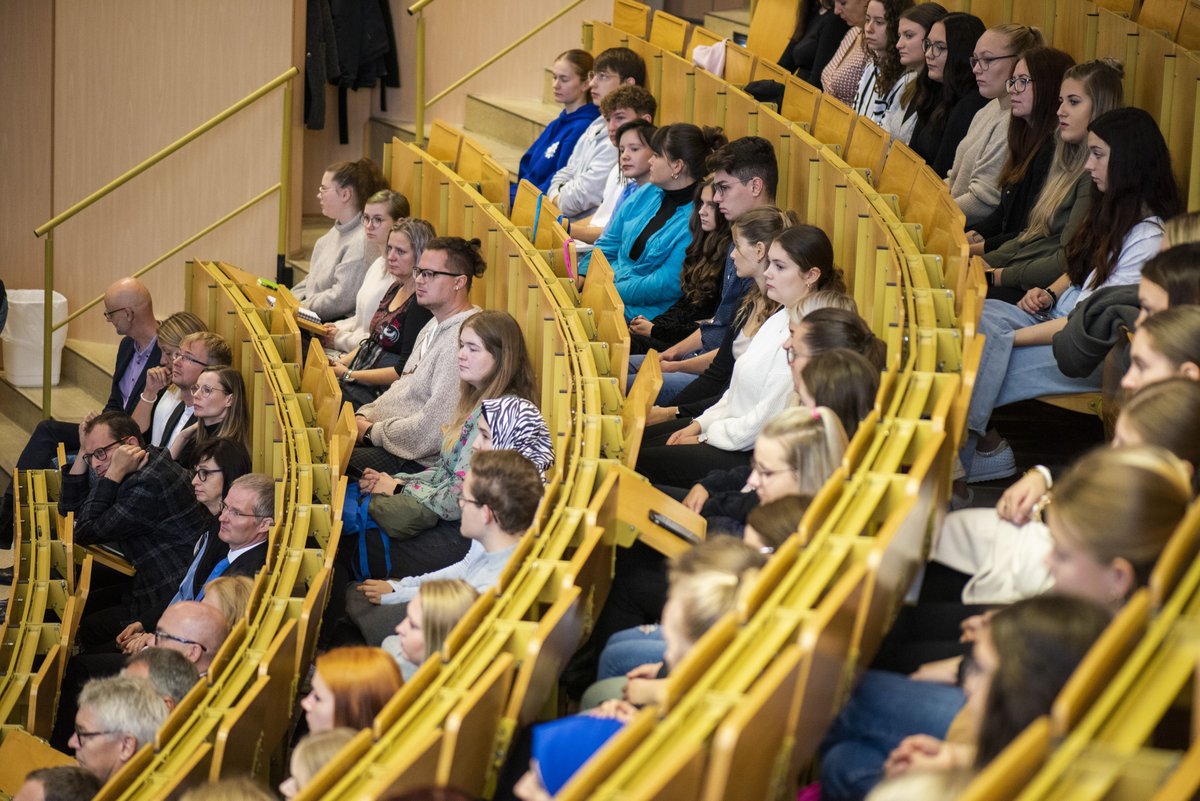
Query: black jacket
[[124, 356]]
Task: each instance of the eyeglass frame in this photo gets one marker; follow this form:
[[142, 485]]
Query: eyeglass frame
[[88, 457], [937, 47], [593, 74], [182, 640], [1024, 81], [462, 498], [108, 315], [721, 189], [755, 467], [224, 507], [187, 357], [82, 736], [985, 62], [203, 473], [422, 274], [205, 391], [376, 220]]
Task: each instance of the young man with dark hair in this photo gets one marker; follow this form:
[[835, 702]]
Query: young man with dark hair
[[65, 783], [578, 188]]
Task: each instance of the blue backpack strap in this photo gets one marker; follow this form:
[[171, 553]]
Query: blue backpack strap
[[537, 218]]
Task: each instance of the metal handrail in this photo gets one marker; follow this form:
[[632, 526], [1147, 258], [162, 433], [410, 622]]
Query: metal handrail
[[48, 228], [421, 103]]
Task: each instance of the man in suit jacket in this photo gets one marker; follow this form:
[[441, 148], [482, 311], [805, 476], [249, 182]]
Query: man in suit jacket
[[128, 306], [137, 498]]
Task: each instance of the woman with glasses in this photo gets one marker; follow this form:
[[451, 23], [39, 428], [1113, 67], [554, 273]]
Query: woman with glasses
[[340, 258], [382, 211], [980, 156], [379, 359], [220, 461], [220, 409], [949, 98], [1031, 143], [161, 396], [911, 32]]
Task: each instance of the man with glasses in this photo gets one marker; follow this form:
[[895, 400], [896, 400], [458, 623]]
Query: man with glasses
[[135, 497], [116, 717], [127, 305], [194, 629], [401, 431], [499, 499]]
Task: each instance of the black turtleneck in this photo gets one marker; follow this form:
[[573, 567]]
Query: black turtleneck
[[672, 199]]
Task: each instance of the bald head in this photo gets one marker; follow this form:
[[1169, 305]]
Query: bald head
[[128, 306], [194, 629]]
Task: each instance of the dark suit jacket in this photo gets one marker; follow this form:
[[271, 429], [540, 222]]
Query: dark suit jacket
[[248, 564], [124, 356]]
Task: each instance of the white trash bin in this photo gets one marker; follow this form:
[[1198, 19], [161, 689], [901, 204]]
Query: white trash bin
[[22, 337]]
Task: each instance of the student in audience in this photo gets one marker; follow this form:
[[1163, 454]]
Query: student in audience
[[219, 462], [1165, 345], [1031, 145], [401, 431], [980, 157], [827, 328], [942, 124], [497, 503], [1036, 257], [1002, 550], [128, 307], [841, 379], [161, 397], [64, 783], [1111, 516], [349, 687], [912, 29], [884, 79], [314, 751], [374, 363], [647, 239], [1170, 279], [116, 717], [429, 618], [560, 748], [219, 409], [1182, 229], [172, 411], [1023, 656], [629, 111], [550, 151], [136, 497], [1132, 196], [842, 73], [813, 43], [493, 364], [769, 526], [241, 788], [169, 672], [745, 176], [578, 187], [699, 280], [383, 210], [340, 258], [229, 595]]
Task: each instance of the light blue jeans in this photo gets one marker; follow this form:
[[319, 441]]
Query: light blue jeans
[[673, 383], [1008, 374], [630, 648]]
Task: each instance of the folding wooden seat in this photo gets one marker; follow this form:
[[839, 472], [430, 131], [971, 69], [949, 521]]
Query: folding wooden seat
[[741, 114], [631, 17], [403, 769], [22, 752], [739, 64], [708, 107], [444, 142], [228, 652], [637, 405], [867, 147], [468, 756], [668, 32], [771, 27], [700, 36], [833, 124], [1184, 781], [126, 775], [192, 772], [766, 69], [1188, 36]]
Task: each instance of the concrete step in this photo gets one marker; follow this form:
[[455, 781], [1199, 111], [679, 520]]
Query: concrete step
[[505, 153], [728, 23], [517, 121]]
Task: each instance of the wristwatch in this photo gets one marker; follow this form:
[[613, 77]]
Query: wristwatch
[[367, 435]]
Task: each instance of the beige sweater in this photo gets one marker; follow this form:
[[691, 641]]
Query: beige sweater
[[974, 178]]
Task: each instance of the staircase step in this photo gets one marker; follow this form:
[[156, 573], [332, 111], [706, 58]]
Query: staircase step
[[505, 153], [12, 440], [89, 365], [729, 22], [518, 121], [69, 401]]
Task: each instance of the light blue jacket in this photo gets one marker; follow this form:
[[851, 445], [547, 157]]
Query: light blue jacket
[[649, 285]]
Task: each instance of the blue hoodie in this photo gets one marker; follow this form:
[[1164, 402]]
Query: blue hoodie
[[550, 152]]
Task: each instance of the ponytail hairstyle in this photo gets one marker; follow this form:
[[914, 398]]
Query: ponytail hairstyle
[[760, 226], [1020, 37], [704, 259], [888, 63], [1166, 414], [813, 443], [688, 143], [820, 299], [922, 94], [580, 61], [1027, 137], [844, 382], [1122, 503], [958, 79], [809, 247], [444, 602], [1139, 184], [363, 178], [1103, 82], [1176, 270], [396, 202], [826, 329], [1175, 333]]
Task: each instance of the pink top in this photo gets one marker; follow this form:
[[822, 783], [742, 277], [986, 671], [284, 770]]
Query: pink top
[[841, 75]]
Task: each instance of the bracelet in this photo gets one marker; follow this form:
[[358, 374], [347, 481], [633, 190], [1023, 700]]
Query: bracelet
[[142, 395], [1052, 294], [349, 376], [1044, 472]]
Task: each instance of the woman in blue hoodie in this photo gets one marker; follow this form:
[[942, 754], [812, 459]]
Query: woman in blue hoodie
[[551, 150], [648, 238]]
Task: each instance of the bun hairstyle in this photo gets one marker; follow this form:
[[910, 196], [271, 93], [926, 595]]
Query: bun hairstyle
[[462, 255], [779, 519], [829, 328], [362, 177], [689, 143], [760, 225]]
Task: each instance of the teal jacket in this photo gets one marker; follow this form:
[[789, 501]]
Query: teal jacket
[[649, 285]]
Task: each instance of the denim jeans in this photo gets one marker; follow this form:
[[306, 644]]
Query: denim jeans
[[672, 384], [630, 648], [884, 709]]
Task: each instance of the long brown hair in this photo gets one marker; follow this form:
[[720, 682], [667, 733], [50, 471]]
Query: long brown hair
[[759, 226], [236, 425], [513, 374], [1027, 137], [704, 259]]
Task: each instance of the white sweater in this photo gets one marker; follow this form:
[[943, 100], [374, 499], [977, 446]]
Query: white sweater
[[353, 330], [578, 188], [335, 271], [758, 390], [974, 179]]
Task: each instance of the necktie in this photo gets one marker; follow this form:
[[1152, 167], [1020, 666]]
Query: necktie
[[217, 570]]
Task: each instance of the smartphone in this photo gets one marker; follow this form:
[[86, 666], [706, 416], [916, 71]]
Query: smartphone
[[675, 528]]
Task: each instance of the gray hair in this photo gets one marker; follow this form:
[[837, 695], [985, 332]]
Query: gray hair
[[126, 705], [263, 487], [170, 671]]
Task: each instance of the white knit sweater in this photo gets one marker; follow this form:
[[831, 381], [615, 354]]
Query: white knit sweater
[[335, 271], [974, 178]]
